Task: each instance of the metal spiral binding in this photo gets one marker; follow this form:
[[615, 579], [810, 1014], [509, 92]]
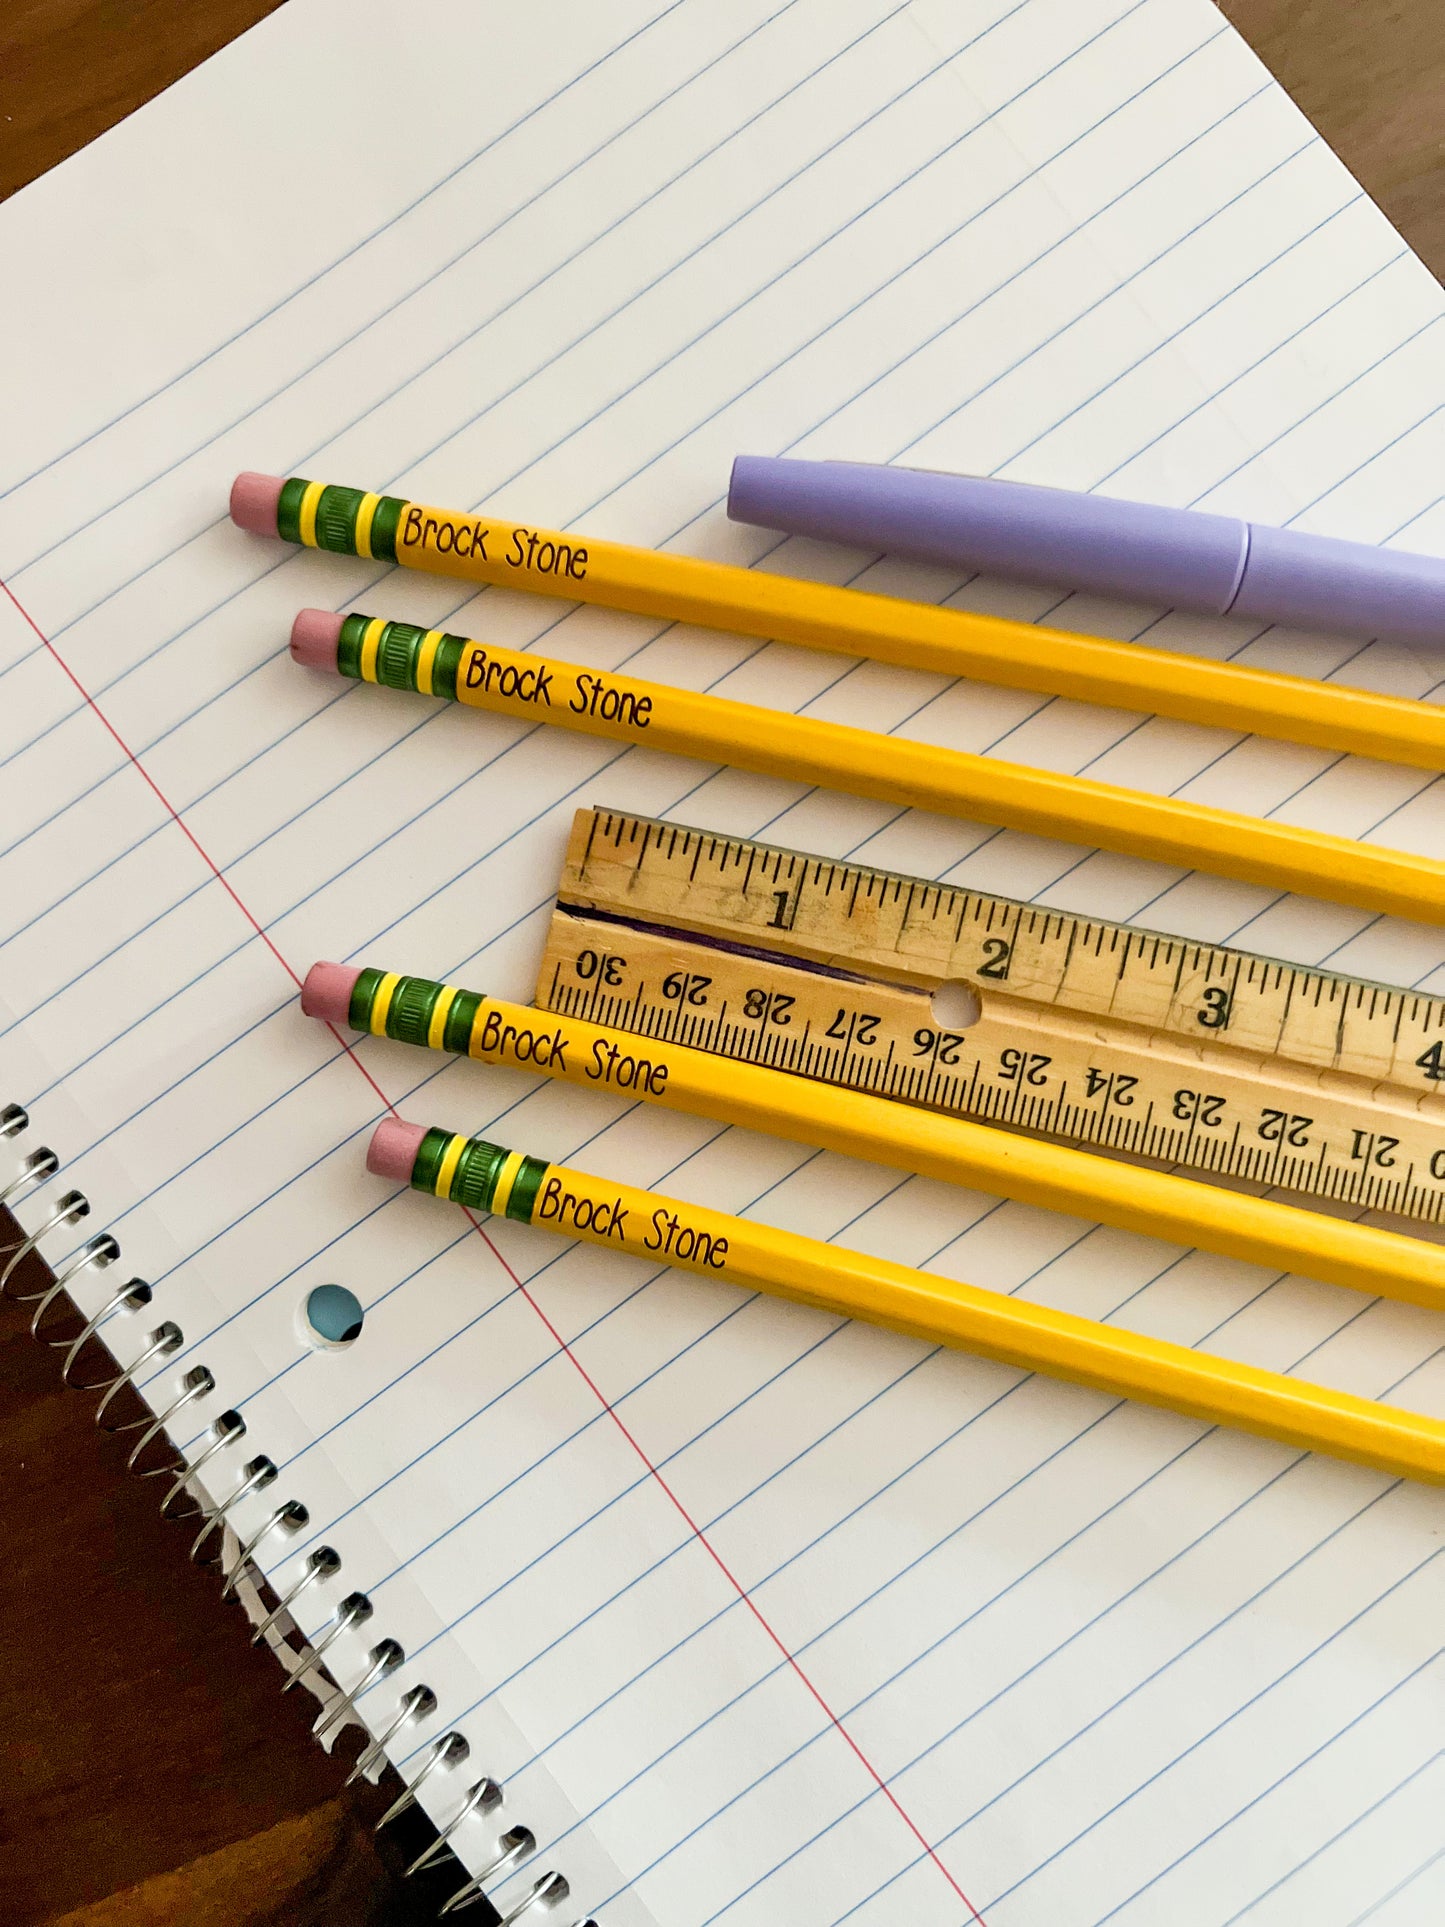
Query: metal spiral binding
[[354, 1608], [323, 1563], [100, 1252], [234, 1557]]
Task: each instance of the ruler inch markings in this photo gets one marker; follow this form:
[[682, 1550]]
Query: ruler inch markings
[[1282, 1073]]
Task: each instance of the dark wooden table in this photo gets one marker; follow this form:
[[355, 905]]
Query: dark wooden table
[[152, 1773]]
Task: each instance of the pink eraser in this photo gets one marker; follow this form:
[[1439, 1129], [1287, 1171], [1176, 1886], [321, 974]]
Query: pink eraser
[[327, 990], [314, 636], [393, 1148], [254, 502]]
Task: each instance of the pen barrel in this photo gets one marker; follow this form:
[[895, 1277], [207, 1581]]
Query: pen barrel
[[923, 1305], [1319, 582], [893, 770], [1142, 551], [1179, 558], [948, 642], [877, 1130]]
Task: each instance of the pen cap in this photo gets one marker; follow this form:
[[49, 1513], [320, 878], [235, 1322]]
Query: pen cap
[[1174, 557], [1317, 582]]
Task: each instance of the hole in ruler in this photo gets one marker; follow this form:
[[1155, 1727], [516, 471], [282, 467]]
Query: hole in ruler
[[955, 1006], [333, 1317]]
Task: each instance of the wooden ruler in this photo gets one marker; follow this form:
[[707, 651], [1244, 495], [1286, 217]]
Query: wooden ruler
[[1099, 1033]]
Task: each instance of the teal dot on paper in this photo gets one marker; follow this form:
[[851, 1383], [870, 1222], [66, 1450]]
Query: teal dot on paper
[[334, 1314]]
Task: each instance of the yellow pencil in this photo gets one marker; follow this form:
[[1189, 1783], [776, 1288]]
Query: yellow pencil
[[803, 749], [488, 1177], [1279, 1236], [950, 642]]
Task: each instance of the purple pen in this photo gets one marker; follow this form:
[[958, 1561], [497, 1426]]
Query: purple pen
[[1177, 558]]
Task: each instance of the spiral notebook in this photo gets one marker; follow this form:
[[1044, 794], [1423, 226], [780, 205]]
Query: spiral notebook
[[752, 1615]]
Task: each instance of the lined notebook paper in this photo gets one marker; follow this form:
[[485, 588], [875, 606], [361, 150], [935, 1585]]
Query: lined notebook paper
[[759, 1616]]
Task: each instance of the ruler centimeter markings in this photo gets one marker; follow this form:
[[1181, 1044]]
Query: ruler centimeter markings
[[1103, 1034]]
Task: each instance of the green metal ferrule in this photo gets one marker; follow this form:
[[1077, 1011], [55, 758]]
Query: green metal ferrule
[[288, 508], [336, 518], [384, 525], [527, 1184], [457, 1031], [478, 1166], [363, 995], [474, 1182], [413, 1005], [444, 666], [408, 1017], [397, 660], [396, 655], [348, 647], [429, 1155]]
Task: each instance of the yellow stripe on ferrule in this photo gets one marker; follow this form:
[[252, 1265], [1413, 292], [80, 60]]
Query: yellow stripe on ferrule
[[363, 525], [506, 1178], [370, 643], [426, 656], [447, 1170], [306, 514], [381, 1002], [436, 1030]]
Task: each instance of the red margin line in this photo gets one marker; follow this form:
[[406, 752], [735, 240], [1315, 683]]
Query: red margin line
[[692, 1525], [144, 774]]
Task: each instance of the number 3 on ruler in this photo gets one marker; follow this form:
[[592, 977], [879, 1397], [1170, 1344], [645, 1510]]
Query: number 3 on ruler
[[1215, 1015]]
